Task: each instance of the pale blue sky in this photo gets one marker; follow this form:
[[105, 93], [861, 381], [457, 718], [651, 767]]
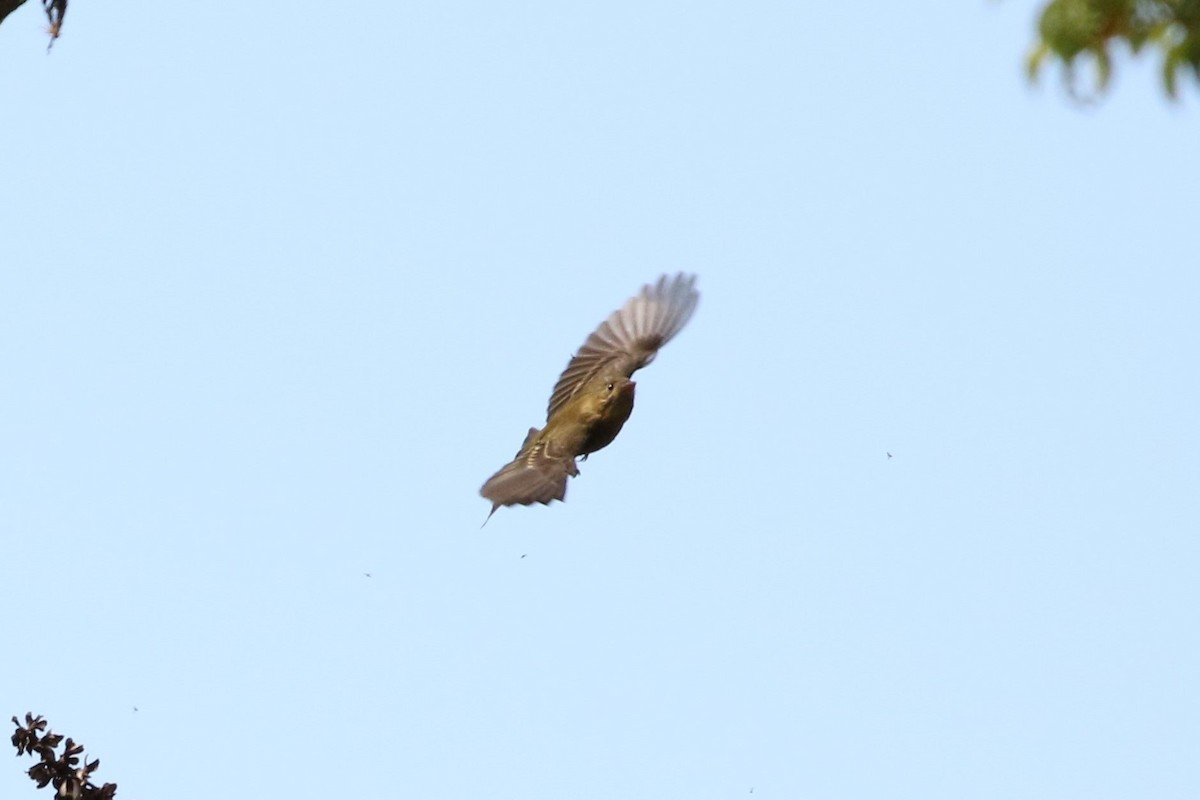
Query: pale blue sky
[[280, 292]]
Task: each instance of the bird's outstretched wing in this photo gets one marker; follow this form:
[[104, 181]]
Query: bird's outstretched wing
[[628, 340], [537, 475]]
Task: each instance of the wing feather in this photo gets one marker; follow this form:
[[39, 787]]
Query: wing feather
[[630, 337]]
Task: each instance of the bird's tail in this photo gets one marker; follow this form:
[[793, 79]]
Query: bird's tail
[[536, 475]]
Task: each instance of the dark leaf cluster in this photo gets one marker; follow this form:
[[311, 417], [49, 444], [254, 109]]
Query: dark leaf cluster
[[62, 771], [1082, 31]]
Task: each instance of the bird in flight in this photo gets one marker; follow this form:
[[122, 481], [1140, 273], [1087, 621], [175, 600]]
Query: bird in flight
[[594, 395]]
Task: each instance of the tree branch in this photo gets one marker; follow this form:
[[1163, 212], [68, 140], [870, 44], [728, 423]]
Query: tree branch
[[70, 781]]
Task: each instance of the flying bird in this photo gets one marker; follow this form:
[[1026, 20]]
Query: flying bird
[[594, 395]]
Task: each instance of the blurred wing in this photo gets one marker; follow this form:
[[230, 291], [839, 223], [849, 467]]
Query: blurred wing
[[536, 475], [628, 340]]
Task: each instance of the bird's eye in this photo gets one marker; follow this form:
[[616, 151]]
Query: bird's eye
[[610, 387]]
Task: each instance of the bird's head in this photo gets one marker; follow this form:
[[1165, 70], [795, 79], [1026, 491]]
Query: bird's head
[[607, 395], [618, 389]]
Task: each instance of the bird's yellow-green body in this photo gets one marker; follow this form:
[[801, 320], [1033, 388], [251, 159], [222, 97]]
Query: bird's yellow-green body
[[593, 418]]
